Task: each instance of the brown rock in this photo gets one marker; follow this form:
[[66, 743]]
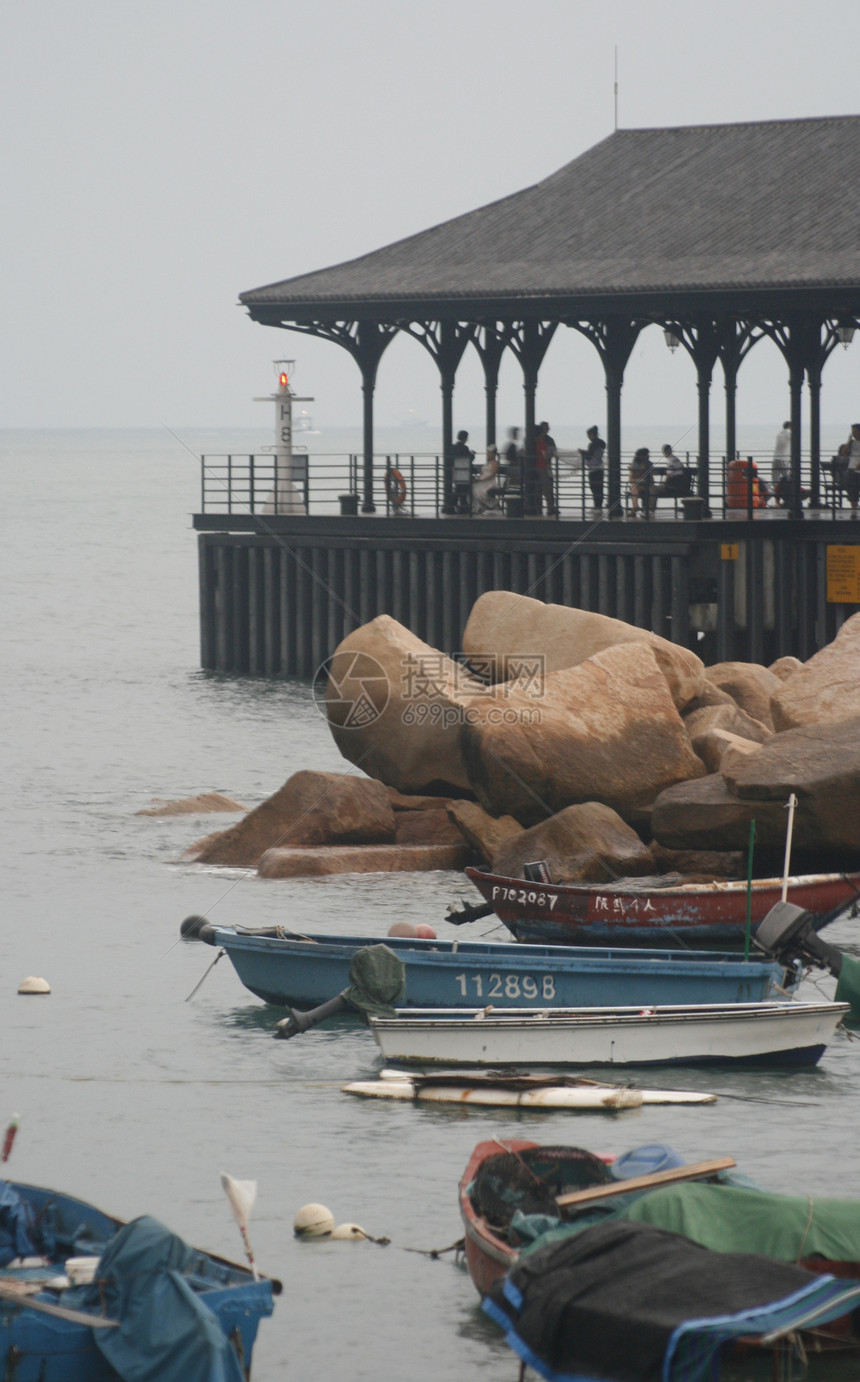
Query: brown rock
[[785, 667], [193, 852], [606, 730], [425, 828], [700, 863], [310, 809], [328, 859], [827, 687], [395, 707], [728, 717], [504, 627], [821, 765], [713, 744], [484, 833], [705, 815], [749, 684], [188, 806], [585, 843]]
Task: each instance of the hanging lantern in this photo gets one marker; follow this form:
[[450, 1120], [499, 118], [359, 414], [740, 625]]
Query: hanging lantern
[[671, 339], [845, 335]]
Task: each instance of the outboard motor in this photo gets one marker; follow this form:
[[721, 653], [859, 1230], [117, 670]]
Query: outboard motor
[[789, 933]]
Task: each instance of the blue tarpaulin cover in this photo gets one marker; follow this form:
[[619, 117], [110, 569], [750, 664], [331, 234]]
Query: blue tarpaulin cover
[[166, 1332], [20, 1234]]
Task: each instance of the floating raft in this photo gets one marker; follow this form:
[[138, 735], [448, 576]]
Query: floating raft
[[517, 1091]]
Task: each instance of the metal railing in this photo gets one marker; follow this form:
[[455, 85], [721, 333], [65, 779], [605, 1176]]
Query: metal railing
[[413, 484]]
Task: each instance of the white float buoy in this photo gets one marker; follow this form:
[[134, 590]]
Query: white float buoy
[[34, 985], [313, 1221], [349, 1232]]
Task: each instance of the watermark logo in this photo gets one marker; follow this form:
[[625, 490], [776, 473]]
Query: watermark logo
[[351, 690]]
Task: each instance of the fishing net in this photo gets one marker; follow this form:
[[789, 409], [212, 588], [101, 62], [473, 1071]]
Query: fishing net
[[529, 1181]]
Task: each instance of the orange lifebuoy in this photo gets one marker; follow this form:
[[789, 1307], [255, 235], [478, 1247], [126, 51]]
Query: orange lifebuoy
[[395, 487]]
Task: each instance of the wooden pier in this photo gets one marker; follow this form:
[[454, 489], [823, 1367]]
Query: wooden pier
[[278, 593]]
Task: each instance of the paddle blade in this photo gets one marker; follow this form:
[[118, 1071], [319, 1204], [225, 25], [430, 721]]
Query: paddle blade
[[241, 1195]]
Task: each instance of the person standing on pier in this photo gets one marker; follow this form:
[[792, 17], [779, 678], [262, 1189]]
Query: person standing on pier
[[780, 473], [545, 453], [592, 459], [462, 473]]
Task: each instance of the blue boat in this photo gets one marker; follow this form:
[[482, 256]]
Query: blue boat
[[87, 1298], [304, 972]]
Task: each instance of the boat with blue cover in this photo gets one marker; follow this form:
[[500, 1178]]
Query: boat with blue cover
[[85, 1297], [286, 969]]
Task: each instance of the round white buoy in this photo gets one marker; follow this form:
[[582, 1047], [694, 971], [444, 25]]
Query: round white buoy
[[425, 932], [350, 1232], [313, 1221], [34, 985]]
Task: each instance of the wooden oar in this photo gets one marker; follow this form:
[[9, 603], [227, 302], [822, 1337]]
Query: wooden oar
[[61, 1312], [695, 1171]]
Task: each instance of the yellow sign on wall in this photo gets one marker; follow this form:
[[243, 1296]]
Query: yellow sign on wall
[[728, 551], [843, 575]]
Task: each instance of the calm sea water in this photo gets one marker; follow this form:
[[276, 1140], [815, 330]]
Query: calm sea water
[[135, 1099]]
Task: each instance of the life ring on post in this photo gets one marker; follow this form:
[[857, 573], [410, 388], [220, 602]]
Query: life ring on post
[[395, 487]]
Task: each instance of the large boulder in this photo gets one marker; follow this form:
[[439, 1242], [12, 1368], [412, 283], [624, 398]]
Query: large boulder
[[749, 684], [821, 765], [827, 687], [705, 815], [606, 730], [329, 859], [311, 808], [395, 706], [486, 834], [504, 630], [586, 843]]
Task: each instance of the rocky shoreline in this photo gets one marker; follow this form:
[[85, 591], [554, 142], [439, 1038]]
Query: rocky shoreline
[[566, 736]]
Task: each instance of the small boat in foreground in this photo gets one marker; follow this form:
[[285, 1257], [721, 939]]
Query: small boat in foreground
[[636, 911], [304, 971], [601, 1241], [84, 1296], [784, 1033]]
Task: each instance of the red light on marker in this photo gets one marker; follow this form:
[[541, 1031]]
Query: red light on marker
[[283, 381]]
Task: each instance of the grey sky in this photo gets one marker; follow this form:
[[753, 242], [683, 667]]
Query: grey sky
[[161, 157]]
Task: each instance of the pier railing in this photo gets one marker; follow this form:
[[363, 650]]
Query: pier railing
[[414, 484]]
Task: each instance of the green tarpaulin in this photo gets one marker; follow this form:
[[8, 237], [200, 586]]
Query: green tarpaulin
[[788, 1227]]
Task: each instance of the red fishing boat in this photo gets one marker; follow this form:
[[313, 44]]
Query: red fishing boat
[[636, 911]]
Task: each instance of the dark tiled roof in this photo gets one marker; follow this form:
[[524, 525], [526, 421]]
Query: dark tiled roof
[[762, 206]]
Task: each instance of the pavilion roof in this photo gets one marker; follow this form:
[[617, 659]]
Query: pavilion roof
[[733, 210]]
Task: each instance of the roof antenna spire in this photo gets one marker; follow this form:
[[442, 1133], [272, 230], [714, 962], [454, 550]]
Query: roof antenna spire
[[616, 86]]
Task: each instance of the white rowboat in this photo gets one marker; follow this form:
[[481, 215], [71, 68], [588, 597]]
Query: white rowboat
[[759, 1033]]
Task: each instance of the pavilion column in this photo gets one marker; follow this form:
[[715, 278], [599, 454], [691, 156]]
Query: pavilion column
[[530, 344], [490, 341], [367, 387], [731, 377], [795, 388], [447, 386], [813, 376], [491, 389], [614, 339], [614, 382], [369, 343], [703, 384]]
